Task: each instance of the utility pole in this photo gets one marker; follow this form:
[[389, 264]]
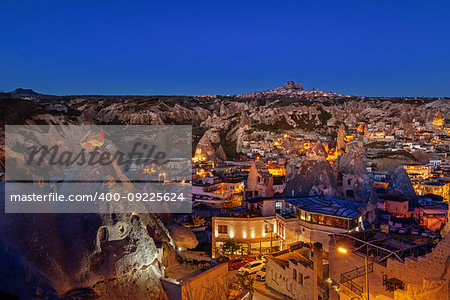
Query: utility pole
[[271, 230], [367, 276]]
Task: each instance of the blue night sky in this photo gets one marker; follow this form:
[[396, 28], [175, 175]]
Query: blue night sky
[[373, 48]]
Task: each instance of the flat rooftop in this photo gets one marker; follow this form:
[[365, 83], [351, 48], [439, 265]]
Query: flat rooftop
[[294, 257]]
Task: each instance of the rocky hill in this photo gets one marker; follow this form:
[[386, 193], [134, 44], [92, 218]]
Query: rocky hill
[[288, 108]]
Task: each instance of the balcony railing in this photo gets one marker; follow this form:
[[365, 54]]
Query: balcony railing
[[355, 288], [355, 273]]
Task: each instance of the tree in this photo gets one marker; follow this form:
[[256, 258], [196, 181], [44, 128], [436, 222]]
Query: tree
[[230, 246], [242, 282], [198, 221]]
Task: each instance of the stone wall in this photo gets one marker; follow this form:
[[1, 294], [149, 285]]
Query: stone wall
[[433, 265]]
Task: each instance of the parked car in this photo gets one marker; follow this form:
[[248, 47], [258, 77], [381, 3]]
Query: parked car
[[237, 263], [252, 267], [261, 274], [403, 230], [264, 258], [415, 231]]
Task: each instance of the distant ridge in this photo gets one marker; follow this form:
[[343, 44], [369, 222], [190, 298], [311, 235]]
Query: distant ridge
[[290, 89], [24, 92]]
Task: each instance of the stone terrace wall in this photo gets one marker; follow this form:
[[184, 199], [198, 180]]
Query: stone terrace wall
[[433, 265]]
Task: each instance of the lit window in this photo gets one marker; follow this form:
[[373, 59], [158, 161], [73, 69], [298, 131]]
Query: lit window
[[268, 228], [222, 229]]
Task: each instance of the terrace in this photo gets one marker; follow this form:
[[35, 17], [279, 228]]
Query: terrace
[[379, 246]]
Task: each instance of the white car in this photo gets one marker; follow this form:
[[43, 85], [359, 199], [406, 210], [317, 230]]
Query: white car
[[261, 274], [403, 230], [252, 267]]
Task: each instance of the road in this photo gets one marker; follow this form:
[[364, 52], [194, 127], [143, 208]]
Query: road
[[260, 290]]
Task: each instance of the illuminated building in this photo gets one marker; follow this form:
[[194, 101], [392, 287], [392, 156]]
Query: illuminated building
[[418, 171], [256, 234], [349, 138], [438, 120], [318, 217], [218, 188], [432, 217], [437, 187], [276, 170], [199, 156]]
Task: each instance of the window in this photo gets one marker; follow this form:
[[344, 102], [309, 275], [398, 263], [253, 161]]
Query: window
[[222, 229], [278, 205], [302, 215], [294, 274], [300, 278], [268, 228]]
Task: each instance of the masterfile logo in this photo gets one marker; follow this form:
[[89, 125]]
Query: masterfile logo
[[90, 168]]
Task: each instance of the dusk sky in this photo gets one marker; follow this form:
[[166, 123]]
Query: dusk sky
[[372, 48]]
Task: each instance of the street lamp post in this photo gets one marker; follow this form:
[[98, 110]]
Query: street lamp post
[[366, 265], [367, 276]]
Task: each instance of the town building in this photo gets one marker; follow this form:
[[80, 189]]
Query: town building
[[188, 282], [396, 206], [439, 187], [297, 273], [259, 181], [257, 235], [418, 171], [317, 217], [272, 223]]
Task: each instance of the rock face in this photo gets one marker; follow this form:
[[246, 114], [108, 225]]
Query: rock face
[[220, 154], [183, 238], [311, 176], [341, 144], [290, 85], [45, 255], [354, 178], [115, 255], [209, 147], [317, 152], [205, 150], [400, 185]]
